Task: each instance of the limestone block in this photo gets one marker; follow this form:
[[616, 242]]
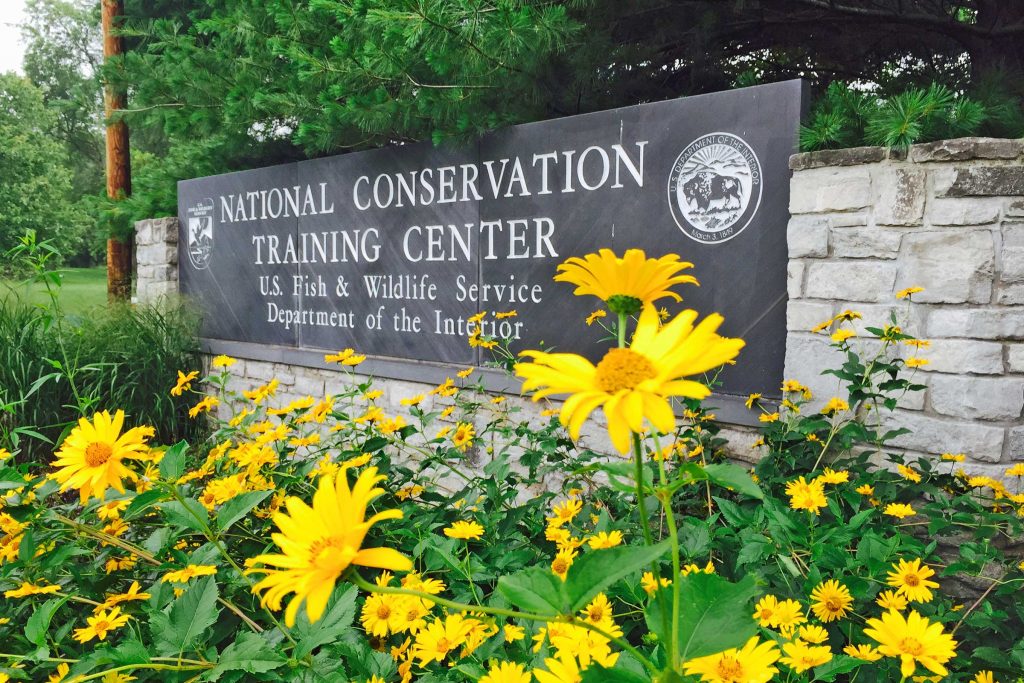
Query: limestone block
[[957, 356], [1012, 266], [953, 267], [157, 254], [1015, 208], [978, 323], [830, 189], [307, 384], [397, 390], [807, 356], [1015, 358], [795, 279], [1010, 295], [801, 315], [259, 370], [851, 156], [1015, 439], [284, 374], [807, 236], [977, 397], [901, 195], [936, 434], [910, 318], [850, 281], [866, 243], [848, 220], [961, 149], [143, 233], [962, 211], [984, 181]]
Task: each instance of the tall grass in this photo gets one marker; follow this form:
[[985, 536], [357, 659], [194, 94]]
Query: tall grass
[[119, 357]]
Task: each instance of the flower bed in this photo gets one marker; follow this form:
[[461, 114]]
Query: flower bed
[[325, 540]]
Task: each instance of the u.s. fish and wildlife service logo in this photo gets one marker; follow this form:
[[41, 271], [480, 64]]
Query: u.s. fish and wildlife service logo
[[714, 188], [200, 233]]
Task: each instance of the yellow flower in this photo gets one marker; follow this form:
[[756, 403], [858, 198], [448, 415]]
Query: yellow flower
[[918, 343], [899, 510], [300, 404], [188, 573], [917, 362], [753, 663], [910, 579], [764, 610], [100, 624], [908, 292], [863, 652], [507, 314], [984, 677], [909, 473], [831, 476], [463, 437], [60, 674], [603, 540], [345, 357], [835, 405], [806, 496], [563, 560], [223, 361], [184, 382], [595, 316], [112, 509], [812, 633], [381, 614], [650, 584], [435, 640], [117, 598], [506, 672], [467, 531], [564, 669], [26, 589], [262, 393], [788, 615], [514, 633], [1016, 471], [831, 600], [633, 383], [318, 543], [373, 395], [413, 401], [866, 490], [914, 640], [800, 656], [891, 600], [841, 335], [634, 276], [90, 459], [463, 374], [207, 403], [768, 417], [751, 400]]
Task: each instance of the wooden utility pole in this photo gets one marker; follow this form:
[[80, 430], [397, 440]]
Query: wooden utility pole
[[119, 173]]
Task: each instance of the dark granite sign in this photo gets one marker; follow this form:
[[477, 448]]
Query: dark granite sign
[[390, 251]]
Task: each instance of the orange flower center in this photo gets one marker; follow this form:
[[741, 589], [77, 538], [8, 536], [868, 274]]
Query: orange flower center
[[729, 669], [912, 646], [331, 553], [559, 566], [623, 369], [97, 453], [443, 645], [912, 580], [833, 604], [596, 613], [383, 612]]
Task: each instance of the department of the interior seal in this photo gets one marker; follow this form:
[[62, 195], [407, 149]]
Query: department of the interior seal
[[200, 233], [714, 188]]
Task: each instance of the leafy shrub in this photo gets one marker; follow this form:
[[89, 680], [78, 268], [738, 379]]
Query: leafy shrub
[[55, 368], [325, 540], [846, 117]]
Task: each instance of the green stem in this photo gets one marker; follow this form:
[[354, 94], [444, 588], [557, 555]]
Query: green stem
[[621, 330], [673, 533], [501, 612]]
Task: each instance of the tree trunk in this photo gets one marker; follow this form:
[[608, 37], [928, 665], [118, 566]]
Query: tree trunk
[[119, 177]]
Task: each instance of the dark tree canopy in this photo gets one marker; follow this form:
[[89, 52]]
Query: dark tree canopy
[[239, 83]]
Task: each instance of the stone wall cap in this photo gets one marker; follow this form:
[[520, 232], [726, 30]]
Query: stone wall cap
[[964, 149], [851, 156]]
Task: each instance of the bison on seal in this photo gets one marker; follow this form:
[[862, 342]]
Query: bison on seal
[[706, 187]]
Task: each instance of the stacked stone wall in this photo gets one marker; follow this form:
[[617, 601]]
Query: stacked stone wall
[[949, 217], [156, 257]]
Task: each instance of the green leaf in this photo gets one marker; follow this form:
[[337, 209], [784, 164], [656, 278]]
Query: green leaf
[[599, 674], [535, 589], [336, 621], [598, 569], [715, 614], [190, 514], [734, 478], [840, 664], [191, 614], [142, 502], [238, 507], [250, 653], [38, 624], [172, 465]]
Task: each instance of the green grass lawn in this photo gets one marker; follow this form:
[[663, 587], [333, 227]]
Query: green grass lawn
[[82, 289]]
